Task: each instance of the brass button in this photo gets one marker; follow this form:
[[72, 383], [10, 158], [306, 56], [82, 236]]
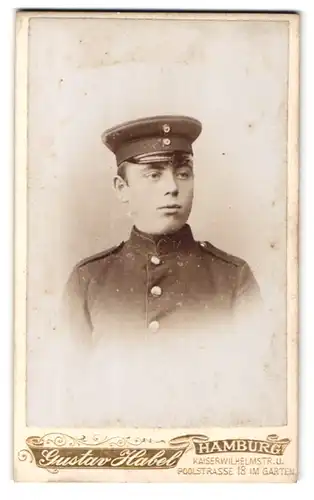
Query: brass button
[[203, 244], [166, 128], [153, 326], [156, 291], [166, 142], [155, 260]]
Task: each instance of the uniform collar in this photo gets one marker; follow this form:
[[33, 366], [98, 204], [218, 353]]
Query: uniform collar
[[180, 242]]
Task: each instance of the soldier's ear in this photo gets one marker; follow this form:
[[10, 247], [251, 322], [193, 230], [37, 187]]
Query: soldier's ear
[[121, 188]]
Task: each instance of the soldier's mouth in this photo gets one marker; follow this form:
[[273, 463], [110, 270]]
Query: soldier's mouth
[[173, 206], [172, 209]]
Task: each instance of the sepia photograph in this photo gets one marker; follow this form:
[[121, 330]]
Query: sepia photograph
[[159, 192]]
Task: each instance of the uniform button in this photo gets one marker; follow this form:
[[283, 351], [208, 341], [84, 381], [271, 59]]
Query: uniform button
[[154, 326], [155, 260], [156, 291], [166, 142], [166, 128], [203, 244]]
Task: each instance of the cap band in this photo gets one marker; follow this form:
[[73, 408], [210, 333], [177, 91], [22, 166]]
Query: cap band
[[154, 145], [176, 157]]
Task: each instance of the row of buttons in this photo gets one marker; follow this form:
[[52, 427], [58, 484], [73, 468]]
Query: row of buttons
[[156, 292]]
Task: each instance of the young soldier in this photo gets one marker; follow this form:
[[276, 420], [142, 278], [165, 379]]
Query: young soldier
[[168, 320], [160, 277]]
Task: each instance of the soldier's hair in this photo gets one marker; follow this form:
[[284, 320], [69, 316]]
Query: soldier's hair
[[122, 170]]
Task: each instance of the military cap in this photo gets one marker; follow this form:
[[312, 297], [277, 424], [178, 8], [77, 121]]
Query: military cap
[[155, 134]]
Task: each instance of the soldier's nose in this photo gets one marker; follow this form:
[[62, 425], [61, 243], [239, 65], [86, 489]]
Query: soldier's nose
[[171, 186]]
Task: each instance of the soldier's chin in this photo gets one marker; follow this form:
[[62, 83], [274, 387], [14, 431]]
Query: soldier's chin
[[170, 225]]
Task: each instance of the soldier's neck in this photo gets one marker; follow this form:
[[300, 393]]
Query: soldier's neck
[[158, 236]]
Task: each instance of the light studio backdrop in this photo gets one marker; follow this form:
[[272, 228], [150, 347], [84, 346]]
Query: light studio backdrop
[[86, 75]]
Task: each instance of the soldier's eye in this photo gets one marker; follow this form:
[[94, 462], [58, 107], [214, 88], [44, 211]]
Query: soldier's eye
[[184, 173], [153, 174]]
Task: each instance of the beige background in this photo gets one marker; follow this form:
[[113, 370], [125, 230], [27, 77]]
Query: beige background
[[87, 75]]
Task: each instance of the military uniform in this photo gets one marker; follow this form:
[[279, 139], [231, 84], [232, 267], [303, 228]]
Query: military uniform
[[164, 327], [158, 283], [166, 331]]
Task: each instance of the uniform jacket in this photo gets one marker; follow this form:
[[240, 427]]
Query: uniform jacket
[[158, 283], [163, 334]]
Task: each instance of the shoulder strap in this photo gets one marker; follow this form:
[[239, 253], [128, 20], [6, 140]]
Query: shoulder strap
[[220, 254], [101, 255]]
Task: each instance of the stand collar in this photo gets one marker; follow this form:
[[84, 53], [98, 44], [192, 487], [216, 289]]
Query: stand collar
[[181, 241]]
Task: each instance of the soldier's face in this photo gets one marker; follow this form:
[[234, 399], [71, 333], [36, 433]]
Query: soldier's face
[[159, 195]]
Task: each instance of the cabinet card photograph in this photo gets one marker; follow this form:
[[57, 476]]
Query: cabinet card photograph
[[156, 211]]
